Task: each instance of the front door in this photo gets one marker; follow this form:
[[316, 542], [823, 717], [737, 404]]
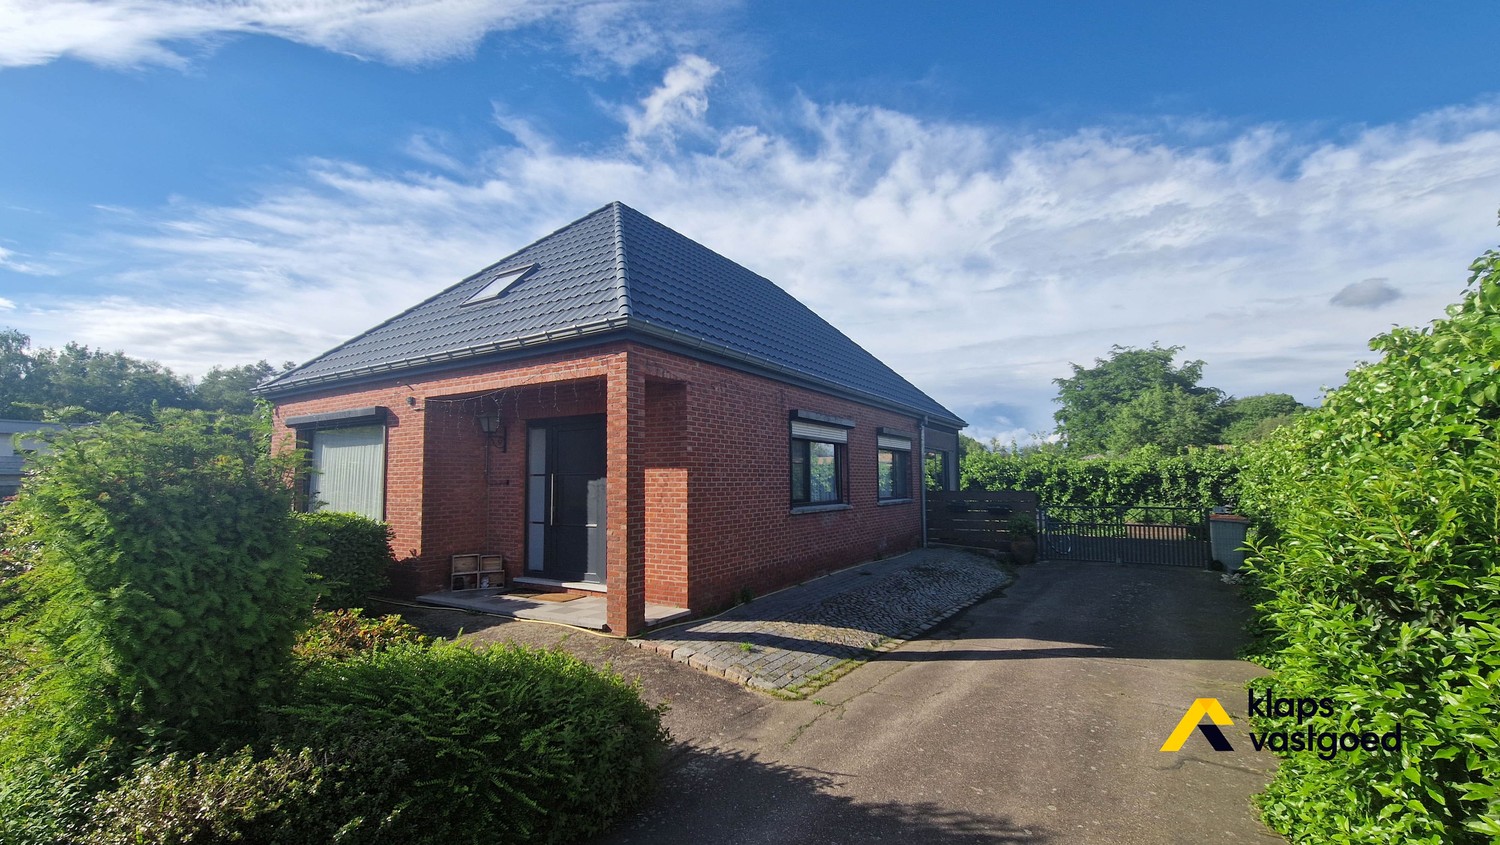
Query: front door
[[566, 466]]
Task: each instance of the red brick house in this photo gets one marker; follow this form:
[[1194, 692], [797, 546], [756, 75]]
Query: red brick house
[[619, 409]]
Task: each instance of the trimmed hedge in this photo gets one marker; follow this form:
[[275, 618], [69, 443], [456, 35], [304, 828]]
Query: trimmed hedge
[[349, 553], [1200, 478], [1379, 516], [164, 590], [445, 744]]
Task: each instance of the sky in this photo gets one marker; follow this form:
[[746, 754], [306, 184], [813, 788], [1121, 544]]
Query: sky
[[981, 194]]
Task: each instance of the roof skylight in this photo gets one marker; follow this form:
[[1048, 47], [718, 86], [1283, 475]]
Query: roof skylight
[[500, 284]]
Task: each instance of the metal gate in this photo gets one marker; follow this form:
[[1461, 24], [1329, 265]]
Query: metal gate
[[1125, 534]]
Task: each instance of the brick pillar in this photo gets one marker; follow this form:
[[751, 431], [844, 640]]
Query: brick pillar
[[625, 530]]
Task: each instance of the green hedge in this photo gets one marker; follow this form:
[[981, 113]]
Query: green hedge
[[398, 742], [164, 593], [1201, 478], [349, 553], [451, 745], [150, 604], [1380, 516]]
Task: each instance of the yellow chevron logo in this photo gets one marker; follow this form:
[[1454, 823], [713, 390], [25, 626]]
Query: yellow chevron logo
[[1209, 707]]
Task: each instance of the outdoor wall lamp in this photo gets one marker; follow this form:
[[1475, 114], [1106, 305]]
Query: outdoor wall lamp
[[491, 424]]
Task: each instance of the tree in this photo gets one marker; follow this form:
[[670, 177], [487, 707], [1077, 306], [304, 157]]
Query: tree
[[93, 383], [1169, 418], [16, 383], [1250, 419], [1137, 397], [969, 446], [79, 384], [229, 389]]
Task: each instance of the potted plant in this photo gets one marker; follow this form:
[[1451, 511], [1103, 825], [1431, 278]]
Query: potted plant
[[1021, 530]]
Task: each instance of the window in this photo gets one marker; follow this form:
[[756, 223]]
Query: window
[[817, 463], [893, 466], [499, 284], [348, 470], [936, 470], [347, 449]]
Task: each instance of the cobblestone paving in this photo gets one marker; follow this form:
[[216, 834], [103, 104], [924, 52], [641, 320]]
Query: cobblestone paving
[[794, 641]]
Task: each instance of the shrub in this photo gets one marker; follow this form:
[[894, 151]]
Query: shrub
[[350, 553], [163, 594], [446, 744], [208, 799], [341, 634], [1022, 526], [1379, 516], [46, 801]]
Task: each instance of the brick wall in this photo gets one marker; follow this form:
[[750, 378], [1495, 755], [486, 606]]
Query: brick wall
[[735, 448], [436, 456], [711, 472], [666, 495]]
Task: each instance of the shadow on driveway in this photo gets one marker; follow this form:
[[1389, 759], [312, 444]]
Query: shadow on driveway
[[777, 803]]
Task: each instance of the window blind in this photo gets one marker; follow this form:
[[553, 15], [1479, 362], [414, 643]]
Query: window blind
[[349, 470], [825, 433]]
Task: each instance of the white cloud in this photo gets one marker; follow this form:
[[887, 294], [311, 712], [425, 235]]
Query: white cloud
[[9, 261], [6, 304], [676, 107], [977, 262], [126, 33]]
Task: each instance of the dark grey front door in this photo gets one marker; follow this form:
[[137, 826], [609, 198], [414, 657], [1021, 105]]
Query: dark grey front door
[[566, 468]]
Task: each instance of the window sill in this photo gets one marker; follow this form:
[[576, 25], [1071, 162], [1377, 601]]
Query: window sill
[[836, 506], [883, 502]]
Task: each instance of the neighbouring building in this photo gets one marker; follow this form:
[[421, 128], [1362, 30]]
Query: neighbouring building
[[618, 409], [13, 449]]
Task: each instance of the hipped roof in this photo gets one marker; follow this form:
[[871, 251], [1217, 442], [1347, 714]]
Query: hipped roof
[[617, 271]]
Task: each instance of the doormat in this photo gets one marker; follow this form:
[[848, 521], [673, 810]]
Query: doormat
[[543, 596]]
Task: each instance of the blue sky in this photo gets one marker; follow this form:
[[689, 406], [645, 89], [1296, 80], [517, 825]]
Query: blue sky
[[978, 193]]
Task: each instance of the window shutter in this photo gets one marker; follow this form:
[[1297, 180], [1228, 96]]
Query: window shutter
[[887, 441], [349, 470], [813, 431]]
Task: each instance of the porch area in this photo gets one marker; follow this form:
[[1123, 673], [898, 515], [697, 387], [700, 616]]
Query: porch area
[[590, 612], [567, 476]]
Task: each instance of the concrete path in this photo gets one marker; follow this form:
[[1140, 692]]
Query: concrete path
[[585, 612], [1033, 717], [794, 641]]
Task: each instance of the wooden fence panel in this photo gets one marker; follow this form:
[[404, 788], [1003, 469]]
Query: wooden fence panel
[[976, 519]]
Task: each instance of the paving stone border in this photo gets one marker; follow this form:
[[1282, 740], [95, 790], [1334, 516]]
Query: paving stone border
[[792, 642]]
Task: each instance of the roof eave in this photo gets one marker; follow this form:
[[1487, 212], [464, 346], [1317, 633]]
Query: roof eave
[[680, 340], [782, 373], [279, 388]]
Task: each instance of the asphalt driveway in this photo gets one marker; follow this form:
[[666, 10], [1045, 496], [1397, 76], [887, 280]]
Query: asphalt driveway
[[1032, 717]]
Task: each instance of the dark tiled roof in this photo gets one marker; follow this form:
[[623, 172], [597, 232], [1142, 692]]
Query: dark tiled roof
[[617, 269]]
